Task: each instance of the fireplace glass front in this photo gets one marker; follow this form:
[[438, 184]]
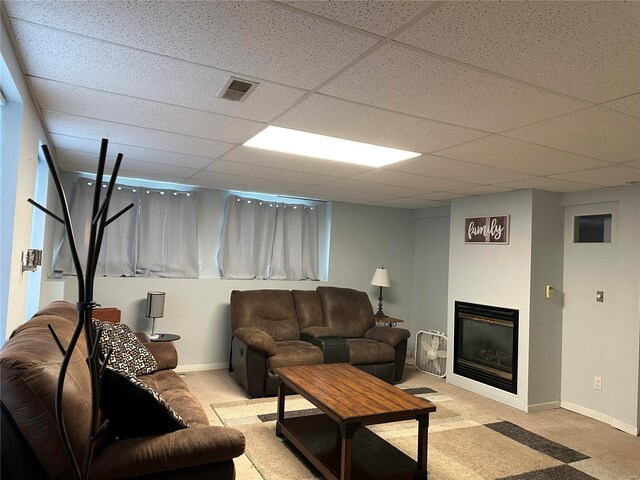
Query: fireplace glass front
[[486, 344]]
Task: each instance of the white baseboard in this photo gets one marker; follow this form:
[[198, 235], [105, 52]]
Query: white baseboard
[[539, 407], [625, 427], [587, 412], [198, 367]]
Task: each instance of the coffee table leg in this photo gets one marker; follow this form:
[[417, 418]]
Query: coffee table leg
[[423, 430], [347, 431], [281, 393]]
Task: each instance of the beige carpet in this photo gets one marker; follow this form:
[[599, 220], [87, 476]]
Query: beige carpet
[[459, 447]]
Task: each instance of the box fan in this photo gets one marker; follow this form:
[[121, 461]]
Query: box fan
[[431, 352]]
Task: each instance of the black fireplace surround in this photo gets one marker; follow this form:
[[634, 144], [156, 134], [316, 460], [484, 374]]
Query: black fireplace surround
[[486, 345]]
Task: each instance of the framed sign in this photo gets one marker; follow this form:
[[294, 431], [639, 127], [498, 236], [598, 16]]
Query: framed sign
[[493, 229]]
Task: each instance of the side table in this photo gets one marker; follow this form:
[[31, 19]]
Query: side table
[[165, 337], [389, 321]]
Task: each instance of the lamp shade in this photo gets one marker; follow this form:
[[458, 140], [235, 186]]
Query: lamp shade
[[381, 278], [155, 305]]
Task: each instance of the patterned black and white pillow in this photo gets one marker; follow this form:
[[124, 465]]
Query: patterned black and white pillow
[[128, 354], [134, 408]]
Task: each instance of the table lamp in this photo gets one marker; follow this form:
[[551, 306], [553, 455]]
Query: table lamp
[[154, 309], [381, 279]]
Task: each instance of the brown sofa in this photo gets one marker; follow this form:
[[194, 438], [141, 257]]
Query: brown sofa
[[32, 447], [275, 328]]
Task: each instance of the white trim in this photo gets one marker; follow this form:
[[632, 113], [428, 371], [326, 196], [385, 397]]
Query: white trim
[[625, 427], [540, 407], [199, 367]]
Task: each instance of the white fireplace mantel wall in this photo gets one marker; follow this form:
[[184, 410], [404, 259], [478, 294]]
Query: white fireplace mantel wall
[[513, 276]]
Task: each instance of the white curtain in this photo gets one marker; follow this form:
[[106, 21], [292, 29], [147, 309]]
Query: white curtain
[[269, 240], [157, 237], [168, 234], [118, 252]]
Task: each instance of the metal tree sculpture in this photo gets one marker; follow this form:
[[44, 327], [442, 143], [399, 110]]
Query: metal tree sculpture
[[85, 304]]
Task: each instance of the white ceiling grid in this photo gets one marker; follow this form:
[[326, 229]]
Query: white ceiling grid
[[497, 96]]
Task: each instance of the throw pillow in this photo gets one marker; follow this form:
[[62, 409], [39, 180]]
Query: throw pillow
[[128, 354], [134, 408]]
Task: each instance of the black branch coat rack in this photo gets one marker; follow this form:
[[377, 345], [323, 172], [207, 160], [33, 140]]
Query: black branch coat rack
[[85, 304]]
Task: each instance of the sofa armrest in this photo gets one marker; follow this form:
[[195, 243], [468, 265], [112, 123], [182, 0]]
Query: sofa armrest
[[390, 335], [319, 331], [165, 354], [142, 337], [257, 339], [150, 455]]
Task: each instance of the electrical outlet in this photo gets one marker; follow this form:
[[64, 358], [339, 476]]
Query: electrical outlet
[[597, 383]]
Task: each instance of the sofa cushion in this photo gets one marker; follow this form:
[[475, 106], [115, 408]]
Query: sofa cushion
[[364, 351], [308, 308], [177, 394], [272, 311], [295, 352], [134, 408], [29, 368], [128, 354], [347, 311]]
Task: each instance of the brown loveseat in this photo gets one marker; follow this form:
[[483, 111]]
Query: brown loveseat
[[276, 328], [31, 445]]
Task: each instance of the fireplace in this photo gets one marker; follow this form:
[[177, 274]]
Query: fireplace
[[486, 345]]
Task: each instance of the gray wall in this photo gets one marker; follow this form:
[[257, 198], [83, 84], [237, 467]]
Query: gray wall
[[17, 213], [362, 238], [545, 317], [498, 275], [614, 340], [431, 270]]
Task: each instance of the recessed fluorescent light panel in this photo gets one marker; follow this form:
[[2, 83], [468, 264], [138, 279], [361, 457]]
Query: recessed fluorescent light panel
[[313, 145]]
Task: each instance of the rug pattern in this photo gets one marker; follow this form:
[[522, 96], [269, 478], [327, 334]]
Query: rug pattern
[[459, 447]]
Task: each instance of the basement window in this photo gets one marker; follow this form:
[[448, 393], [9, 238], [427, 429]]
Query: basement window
[[592, 228]]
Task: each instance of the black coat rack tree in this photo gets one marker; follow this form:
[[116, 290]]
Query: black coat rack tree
[[85, 304]]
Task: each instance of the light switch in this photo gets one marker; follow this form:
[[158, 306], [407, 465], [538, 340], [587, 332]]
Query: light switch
[[599, 296]]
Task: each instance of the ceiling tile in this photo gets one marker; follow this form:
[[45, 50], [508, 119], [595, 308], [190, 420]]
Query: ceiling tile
[[62, 97], [369, 187], [607, 176], [91, 160], [118, 69], [503, 152], [157, 177], [421, 182], [483, 190], [377, 17], [261, 39], [455, 170], [129, 152], [629, 105], [248, 181], [549, 184], [586, 49], [412, 203], [443, 196], [65, 124], [340, 194], [256, 156], [344, 119], [595, 132], [245, 169], [409, 81]]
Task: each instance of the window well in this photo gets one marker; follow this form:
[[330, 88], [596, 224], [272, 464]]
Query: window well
[[592, 229]]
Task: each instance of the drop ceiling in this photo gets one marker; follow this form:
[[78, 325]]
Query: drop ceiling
[[497, 96]]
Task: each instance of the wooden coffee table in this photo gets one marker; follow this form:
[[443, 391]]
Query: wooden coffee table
[[334, 441]]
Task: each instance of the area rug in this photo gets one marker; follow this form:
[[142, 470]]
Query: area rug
[[459, 447]]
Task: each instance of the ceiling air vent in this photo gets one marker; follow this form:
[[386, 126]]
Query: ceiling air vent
[[237, 90]]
